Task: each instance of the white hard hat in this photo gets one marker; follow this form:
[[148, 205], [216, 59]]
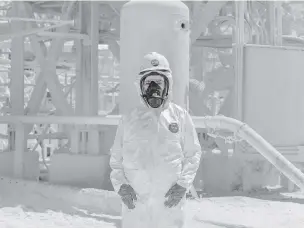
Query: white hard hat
[[154, 61]]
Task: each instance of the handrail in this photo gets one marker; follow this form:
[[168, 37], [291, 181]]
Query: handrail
[[215, 122], [82, 120]]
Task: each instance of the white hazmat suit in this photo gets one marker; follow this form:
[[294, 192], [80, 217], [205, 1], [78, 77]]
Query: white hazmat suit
[[154, 149]]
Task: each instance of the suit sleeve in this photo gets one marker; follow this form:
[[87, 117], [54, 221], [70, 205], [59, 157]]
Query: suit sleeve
[[117, 174], [192, 153]]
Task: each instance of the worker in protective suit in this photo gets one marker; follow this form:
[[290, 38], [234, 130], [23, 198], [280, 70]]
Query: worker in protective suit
[[156, 153]]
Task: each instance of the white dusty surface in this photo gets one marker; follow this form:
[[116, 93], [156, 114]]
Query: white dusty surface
[[32, 205]]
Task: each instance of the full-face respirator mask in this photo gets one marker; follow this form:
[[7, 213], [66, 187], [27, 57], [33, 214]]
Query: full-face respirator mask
[[154, 90]]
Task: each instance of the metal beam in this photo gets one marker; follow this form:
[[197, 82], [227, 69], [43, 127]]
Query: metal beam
[[40, 51], [79, 120], [114, 48], [239, 58], [25, 19], [17, 95], [93, 134], [29, 32], [67, 36], [48, 71], [279, 23], [17, 73], [80, 60], [94, 34]]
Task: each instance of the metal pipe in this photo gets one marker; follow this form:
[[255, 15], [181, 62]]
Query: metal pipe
[[31, 32], [85, 120], [239, 38], [215, 122], [257, 142], [65, 36], [94, 70], [24, 19]]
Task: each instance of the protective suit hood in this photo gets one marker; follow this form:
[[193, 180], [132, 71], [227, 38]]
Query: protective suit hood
[[155, 64]]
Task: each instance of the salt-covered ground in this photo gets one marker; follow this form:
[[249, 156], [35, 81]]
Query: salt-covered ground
[[32, 205]]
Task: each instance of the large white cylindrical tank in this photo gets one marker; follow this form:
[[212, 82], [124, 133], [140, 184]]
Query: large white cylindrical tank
[[154, 26]]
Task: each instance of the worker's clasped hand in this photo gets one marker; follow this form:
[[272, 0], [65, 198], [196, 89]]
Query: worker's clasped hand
[[175, 195], [128, 195]]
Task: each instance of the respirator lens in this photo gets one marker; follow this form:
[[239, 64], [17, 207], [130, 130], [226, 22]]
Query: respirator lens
[[154, 89]]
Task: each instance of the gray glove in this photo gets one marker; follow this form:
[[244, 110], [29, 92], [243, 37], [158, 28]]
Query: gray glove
[[175, 195], [128, 195]]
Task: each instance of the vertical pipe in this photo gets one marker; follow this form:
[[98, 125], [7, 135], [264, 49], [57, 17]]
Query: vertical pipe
[[19, 151], [94, 56], [92, 137], [79, 53], [239, 57], [271, 12], [86, 60], [239, 62], [76, 134], [17, 93], [17, 76], [279, 21]]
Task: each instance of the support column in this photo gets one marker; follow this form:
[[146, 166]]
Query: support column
[[47, 61], [19, 151], [279, 25], [94, 34], [271, 22], [17, 95], [87, 170], [87, 79], [93, 140], [79, 99], [274, 22], [238, 50], [239, 55]]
